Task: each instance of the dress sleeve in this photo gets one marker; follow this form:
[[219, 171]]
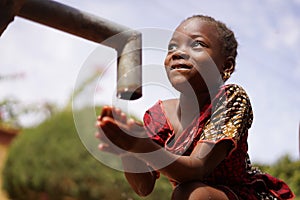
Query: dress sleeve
[[156, 125], [231, 118]]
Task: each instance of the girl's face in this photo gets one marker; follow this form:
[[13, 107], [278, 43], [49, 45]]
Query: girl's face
[[194, 57]]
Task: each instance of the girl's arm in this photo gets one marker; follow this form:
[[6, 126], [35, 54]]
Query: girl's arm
[[132, 138], [138, 175], [202, 161]]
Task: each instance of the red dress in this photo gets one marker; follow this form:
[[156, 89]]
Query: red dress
[[228, 117]]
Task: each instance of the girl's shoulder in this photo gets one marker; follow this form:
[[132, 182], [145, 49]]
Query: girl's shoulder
[[234, 87], [233, 91]]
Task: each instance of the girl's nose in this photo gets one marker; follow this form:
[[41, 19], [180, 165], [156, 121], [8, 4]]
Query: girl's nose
[[179, 54]]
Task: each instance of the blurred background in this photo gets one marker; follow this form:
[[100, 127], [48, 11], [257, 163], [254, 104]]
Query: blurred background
[[40, 66]]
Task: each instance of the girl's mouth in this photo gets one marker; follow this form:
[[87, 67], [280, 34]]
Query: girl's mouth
[[181, 67]]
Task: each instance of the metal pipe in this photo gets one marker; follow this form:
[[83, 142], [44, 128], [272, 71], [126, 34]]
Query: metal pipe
[[127, 43]]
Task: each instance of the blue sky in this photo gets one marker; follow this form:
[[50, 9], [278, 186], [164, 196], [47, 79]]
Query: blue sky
[[268, 66]]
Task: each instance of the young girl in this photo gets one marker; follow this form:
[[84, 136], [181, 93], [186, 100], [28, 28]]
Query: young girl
[[200, 139]]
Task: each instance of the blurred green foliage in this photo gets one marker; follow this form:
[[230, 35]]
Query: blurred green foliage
[[50, 160]]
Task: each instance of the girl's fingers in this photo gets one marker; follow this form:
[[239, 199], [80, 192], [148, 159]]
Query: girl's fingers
[[119, 115], [114, 113], [130, 122], [106, 112], [123, 118], [97, 134], [102, 146], [97, 124], [118, 132], [134, 125], [136, 128], [106, 148], [110, 149]]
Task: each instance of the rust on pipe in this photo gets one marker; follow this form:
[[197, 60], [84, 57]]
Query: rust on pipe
[[71, 20]]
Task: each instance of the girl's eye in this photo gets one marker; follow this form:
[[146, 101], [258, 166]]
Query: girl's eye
[[172, 47], [198, 43]]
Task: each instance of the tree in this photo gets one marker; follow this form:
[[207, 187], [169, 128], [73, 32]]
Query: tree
[[12, 110]]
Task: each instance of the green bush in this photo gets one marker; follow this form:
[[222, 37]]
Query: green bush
[[50, 162]]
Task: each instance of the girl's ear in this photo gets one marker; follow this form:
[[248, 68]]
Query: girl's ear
[[229, 65]]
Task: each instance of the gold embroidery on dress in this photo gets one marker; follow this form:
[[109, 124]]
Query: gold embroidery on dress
[[231, 116]]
